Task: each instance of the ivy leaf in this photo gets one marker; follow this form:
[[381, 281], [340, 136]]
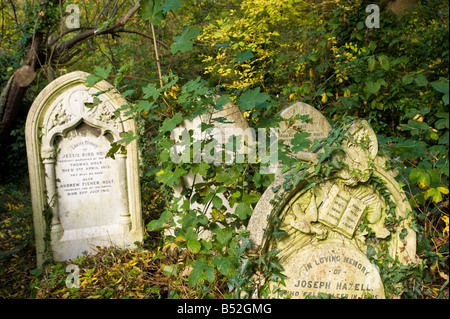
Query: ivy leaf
[[169, 124], [251, 99], [100, 73], [183, 42], [151, 91], [127, 137], [300, 141]]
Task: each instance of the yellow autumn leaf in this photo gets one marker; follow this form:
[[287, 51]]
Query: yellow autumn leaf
[[324, 98], [446, 221], [180, 239], [418, 118], [433, 267], [160, 173]]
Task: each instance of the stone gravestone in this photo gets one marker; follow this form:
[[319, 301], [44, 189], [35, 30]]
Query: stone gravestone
[[80, 198], [318, 127], [324, 249], [228, 122]]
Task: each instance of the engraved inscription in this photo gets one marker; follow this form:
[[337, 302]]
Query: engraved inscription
[[87, 182], [341, 211], [337, 271]]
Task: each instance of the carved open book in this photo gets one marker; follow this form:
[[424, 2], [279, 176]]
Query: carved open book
[[341, 211]]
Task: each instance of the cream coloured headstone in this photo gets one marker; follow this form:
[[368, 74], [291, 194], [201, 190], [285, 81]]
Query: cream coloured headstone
[[80, 198], [324, 249], [318, 127], [231, 123]]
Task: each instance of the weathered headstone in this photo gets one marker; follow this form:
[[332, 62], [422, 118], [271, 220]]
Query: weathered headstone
[[318, 127], [228, 122], [324, 249], [81, 199]]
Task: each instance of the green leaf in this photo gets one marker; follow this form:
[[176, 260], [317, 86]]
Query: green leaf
[[173, 5], [92, 79], [244, 56], [171, 270], [372, 64], [223, 264], [127, 137], [153, 10], [421, 80], [407, 79], [251, 198], [196, 273], [169, 124], [434, 193], [243, 210], [183, 42], [440, 86], [384, 62], [217, 202], [158, 224], [194, 245], [251, 99], [209, 273], [102, 72], [151, 90], [221, 101], [372, 87], [200, 168], [300, 142]]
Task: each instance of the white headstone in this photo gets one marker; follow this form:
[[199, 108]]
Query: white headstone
[[232, 123], [81, 199], [318, 127]]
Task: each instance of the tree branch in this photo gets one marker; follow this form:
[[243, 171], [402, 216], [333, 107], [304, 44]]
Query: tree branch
[[82, 37]]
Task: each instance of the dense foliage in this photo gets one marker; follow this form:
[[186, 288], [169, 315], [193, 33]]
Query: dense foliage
[[262, 55]]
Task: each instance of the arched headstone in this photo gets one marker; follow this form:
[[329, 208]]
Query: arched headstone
[[80, 198], [324, 249]]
